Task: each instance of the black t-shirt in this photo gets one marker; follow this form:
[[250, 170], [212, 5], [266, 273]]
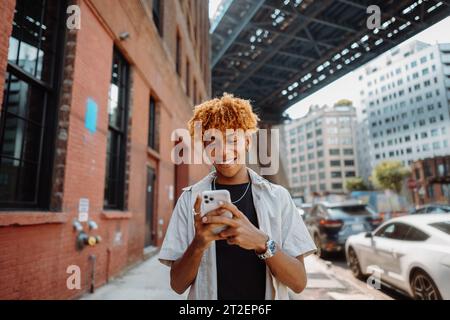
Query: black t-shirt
[[240, 273]]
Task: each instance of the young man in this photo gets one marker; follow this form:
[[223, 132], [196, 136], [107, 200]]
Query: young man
[[261, 252]]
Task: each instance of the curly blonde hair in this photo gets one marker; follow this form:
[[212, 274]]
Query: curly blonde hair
[[227, 112]]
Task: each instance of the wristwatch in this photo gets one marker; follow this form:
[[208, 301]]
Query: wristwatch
[[271, 248]]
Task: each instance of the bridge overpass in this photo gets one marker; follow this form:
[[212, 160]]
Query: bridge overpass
[[277, 52]]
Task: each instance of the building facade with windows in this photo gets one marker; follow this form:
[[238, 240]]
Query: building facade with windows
[[87, 114], [405, 109], [321, 150]]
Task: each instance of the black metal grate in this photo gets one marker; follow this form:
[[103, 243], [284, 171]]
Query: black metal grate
[[277, 52]]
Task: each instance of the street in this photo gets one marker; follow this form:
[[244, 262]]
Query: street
[[339, 265], [326, 281], [331, 280]]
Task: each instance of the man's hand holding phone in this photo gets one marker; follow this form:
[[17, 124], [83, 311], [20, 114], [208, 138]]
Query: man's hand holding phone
[[204, 232], [240, 231]]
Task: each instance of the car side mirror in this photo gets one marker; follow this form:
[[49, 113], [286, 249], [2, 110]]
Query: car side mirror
[[369, 235]]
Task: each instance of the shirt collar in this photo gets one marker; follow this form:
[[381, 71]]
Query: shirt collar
[[206, 181]]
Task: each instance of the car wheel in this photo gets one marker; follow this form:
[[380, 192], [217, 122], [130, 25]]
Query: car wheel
[[423, 287], [354, 265], [318, 243]]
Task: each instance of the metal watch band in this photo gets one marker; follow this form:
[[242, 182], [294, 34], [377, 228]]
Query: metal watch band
[[270, 250]]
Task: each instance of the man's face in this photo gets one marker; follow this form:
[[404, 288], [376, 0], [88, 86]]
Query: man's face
[[227, 152]]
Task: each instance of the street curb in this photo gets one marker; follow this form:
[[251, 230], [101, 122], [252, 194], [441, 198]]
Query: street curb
[[342, 275], [150, 252]]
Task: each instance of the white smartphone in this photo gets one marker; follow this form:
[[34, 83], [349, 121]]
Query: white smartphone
[[210, 201]]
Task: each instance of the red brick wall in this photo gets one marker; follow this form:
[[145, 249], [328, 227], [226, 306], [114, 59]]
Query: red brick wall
[[37, 247], [39, 255], [86, 154], [433, 181], [154, 61]]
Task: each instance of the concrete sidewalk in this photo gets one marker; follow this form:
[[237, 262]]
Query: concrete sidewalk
[[151, 281]]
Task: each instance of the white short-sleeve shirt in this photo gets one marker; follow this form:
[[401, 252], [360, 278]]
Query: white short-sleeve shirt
[[277, 216]]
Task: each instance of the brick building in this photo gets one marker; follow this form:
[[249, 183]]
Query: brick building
[[430, 182], [90, 96]]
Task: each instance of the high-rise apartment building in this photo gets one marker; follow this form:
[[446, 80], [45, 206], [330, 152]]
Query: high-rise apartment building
[[320, 146], [404, 113]]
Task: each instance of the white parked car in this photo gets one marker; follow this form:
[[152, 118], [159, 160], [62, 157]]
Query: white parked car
[[410, 253]]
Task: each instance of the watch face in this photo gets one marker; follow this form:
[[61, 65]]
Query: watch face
[[271, 246]]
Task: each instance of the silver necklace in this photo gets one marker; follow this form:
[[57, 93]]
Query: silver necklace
[[233, 202]]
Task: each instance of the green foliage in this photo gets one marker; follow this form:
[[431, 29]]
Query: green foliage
[[389, 175], [356, 184]]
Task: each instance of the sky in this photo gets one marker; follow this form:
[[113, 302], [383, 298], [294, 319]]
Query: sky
[[342, 88], [213, 4]]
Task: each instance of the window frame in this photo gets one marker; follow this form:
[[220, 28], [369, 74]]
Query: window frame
[[377, 233], [157, 15], [151, 142], [178, 53], [413, 229], [122, 133], [50, 90], [188, 78]]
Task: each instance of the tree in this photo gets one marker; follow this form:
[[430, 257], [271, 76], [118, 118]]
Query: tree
[[356, 184], [344, 102], [390, 175]]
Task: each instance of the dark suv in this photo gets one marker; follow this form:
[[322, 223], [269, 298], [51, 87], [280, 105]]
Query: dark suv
[[432, 208], [330, 224]]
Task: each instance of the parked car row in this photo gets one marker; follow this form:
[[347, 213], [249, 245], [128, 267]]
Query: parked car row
[[410, 253], [330, 224]]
